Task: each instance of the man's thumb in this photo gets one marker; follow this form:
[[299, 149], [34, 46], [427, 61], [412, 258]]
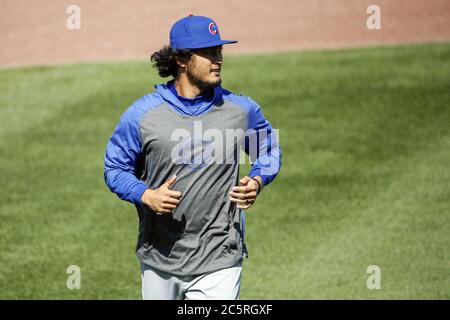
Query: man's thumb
[[245, 180], [169, 183]]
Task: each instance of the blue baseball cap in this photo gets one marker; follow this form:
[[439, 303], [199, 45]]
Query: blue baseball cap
[[194, 32]]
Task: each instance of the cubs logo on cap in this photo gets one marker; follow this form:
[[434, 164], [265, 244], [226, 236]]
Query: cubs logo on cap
[[212, 28], [194, 32]]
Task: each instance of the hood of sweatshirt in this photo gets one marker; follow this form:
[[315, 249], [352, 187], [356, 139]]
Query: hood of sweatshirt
[[202, 106]]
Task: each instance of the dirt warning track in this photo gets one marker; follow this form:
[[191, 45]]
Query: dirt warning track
[[35, 32]]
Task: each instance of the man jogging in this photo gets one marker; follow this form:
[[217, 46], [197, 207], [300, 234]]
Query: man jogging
[[175, 155]]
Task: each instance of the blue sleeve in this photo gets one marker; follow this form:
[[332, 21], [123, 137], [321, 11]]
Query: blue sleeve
[[262, 145], [122, 152]]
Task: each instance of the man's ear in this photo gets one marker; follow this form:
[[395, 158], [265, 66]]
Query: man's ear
[[181, 64]]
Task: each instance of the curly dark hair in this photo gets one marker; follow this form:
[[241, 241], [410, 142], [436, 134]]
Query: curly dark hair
[[165, 60]]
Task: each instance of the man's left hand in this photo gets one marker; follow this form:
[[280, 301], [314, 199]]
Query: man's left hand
[[245, 194]]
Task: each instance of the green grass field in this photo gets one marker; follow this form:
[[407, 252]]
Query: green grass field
[[365, 180]]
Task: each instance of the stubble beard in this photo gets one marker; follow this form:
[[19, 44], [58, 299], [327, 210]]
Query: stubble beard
[[200, 83]]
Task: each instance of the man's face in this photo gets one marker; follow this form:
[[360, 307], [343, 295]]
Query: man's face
[[204, 67]]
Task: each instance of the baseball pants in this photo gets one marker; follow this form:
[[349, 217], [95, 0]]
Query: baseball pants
[[218, 285]]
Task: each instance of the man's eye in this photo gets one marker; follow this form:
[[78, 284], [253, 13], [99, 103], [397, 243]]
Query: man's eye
[[210, 52]]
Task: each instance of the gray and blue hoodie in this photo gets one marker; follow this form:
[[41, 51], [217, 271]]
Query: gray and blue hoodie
[[160, 135]]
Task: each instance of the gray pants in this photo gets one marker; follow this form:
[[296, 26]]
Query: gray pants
[[218, 285]]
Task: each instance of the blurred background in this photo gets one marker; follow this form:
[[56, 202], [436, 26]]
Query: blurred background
[[35, 32], [361, 97]]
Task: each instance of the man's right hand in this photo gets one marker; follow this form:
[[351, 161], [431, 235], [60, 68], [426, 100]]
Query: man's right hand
[[162, 200]]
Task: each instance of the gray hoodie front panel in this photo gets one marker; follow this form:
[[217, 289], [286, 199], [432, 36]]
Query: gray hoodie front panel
[[204, 233]]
